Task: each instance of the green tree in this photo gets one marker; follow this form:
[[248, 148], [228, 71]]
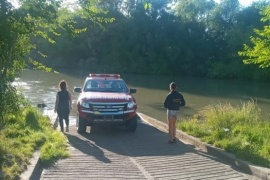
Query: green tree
[[194, 10], [199, 38], [259, 53], [16, 27]]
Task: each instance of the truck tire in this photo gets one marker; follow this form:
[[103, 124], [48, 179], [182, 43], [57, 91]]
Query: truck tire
[[81, 125], [132, 124]]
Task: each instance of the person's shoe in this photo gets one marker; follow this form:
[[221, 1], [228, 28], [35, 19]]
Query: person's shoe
[[171, 142], [67, 129], [174, 140]]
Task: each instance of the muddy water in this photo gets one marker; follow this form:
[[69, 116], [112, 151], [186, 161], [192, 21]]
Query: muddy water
[[41, 87]]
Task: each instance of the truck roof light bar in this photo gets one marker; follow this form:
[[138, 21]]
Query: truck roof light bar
[[105, 75]]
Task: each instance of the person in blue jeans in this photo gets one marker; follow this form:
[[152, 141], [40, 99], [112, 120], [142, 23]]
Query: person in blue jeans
[[173, 102], [63, 105]]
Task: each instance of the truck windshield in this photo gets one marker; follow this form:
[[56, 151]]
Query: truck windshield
[[102, 85]]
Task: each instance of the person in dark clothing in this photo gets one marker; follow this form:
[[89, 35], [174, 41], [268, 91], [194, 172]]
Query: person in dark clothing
[[63, 105], [173, 102]]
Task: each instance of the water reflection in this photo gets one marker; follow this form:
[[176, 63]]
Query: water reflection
[[41, 87]]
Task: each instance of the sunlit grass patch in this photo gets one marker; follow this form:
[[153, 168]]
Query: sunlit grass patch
[[54, 148], [24, 133], [241, 130]]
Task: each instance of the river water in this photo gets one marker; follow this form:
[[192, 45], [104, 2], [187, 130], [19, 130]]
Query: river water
[[41, 87]]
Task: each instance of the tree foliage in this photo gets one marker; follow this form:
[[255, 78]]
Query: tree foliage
[[15, 43], [189, 38], [259, 52]]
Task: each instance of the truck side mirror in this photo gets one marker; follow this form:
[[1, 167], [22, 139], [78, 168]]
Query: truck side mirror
[[77, 89], [132, 90]]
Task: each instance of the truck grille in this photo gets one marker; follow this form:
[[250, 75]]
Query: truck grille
[[108, 112], [108, 108]]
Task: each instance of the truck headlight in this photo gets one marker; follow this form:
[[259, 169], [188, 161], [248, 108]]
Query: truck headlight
[[130, 105], [85, 104]]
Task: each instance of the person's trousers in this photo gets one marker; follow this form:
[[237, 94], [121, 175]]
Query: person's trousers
[[63, 115]]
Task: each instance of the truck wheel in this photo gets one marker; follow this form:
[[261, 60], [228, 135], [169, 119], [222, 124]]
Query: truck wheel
[[81, 125], [132, 124]]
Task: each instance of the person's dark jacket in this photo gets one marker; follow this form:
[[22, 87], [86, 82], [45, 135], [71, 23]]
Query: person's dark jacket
[[174, 100]]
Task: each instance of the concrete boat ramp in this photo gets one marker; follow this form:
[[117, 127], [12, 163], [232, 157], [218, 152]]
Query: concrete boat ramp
[[115, 153]]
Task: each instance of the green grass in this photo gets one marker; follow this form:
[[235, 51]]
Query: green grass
[[240, 130], [22, 134]]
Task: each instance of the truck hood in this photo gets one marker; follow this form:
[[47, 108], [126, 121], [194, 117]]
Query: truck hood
[[105, 97]]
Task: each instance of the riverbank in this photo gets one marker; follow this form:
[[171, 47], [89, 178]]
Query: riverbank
[[22, 134], [241, 130]]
